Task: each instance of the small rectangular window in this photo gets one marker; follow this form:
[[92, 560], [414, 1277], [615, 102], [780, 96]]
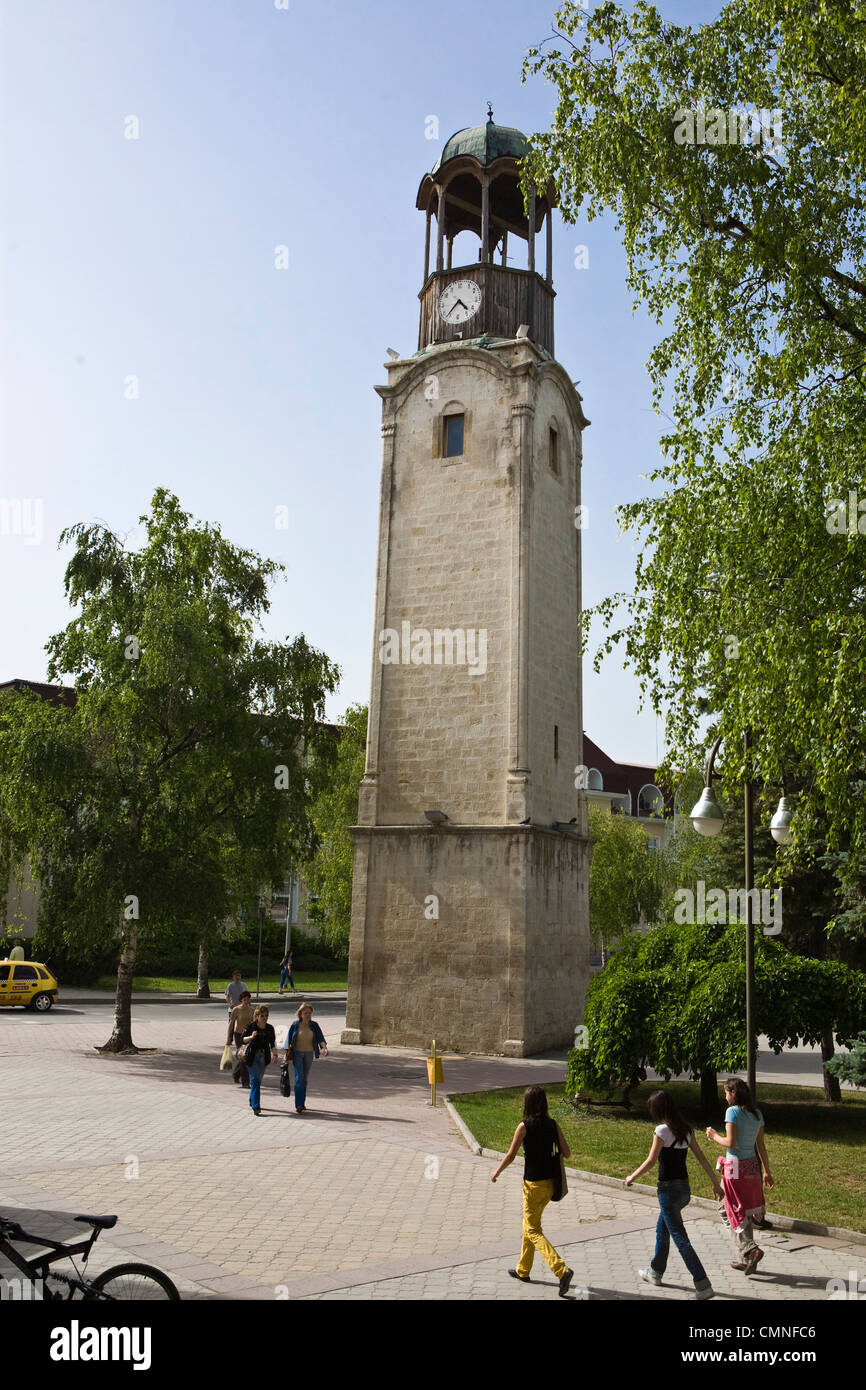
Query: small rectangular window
[[453, 436], [553, 451], [556, 740]]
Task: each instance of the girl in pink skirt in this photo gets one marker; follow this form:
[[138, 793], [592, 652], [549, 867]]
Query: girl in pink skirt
[[742, 1204]]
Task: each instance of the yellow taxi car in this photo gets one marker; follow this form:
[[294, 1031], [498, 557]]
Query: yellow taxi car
[[27, 982]]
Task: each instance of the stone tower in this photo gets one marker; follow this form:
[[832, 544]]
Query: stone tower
[[470, 906]]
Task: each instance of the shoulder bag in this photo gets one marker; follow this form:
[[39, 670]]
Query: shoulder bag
[[560, 1182]]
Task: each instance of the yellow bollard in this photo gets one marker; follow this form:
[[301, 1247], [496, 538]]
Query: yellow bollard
[[434, 1072]]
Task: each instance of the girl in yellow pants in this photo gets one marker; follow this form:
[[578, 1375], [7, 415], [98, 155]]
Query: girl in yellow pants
[[538, 1134]]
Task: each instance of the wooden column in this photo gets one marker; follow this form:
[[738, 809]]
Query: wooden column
[[427, 246], [485, 219], [440, 229], [450, 251], [531, 230], [505, 248], [549, 274]]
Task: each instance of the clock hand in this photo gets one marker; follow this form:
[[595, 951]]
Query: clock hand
[[462, 305]]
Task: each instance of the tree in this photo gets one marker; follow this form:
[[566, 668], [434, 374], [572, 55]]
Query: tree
[[810, 892], [624, 879], [853, 1067], [161, 802], [673, 1000], [329, 873], [750, 253]]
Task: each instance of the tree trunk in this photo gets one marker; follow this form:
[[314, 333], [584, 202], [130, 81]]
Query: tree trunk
[[709, 1094], [832, 1089], [203, 986], [121, 1037]]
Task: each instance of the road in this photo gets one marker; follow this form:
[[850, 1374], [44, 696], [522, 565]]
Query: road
[[796, 1067]]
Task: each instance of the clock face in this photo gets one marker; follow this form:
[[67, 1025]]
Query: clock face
[[459, 301]]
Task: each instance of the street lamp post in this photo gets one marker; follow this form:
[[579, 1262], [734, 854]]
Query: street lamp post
[[707, 819], [749, 856], [261, 929]]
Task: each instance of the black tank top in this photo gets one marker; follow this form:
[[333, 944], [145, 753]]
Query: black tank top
[[539, 1162], [672, 1161]]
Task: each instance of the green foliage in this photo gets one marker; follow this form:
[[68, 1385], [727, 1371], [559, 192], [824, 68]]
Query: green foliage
[[176, 788], [717, 861], [674, 999], [853, 1067], [168, 958], [751, 257], [624, 876], [329, 874]]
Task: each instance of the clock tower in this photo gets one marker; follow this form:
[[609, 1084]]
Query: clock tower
[[470, 892]]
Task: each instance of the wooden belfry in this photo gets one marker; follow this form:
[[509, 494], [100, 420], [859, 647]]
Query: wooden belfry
[[475, 186]]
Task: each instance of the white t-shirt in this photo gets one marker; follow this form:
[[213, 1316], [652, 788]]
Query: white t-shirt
[[666, 1134]]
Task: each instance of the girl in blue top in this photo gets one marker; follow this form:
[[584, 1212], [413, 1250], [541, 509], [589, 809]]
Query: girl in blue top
[[743, 1194]]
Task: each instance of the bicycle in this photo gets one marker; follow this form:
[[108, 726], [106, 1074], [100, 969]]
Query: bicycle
[[121, 1283]]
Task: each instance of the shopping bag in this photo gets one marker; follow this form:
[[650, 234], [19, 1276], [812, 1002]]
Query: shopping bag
[[226, 1059]]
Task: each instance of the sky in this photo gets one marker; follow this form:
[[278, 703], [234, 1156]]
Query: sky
[[153, 157]]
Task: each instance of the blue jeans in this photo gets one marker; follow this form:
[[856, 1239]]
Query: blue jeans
[[301, 1065], [673, 1195], [286, 974], [256, 1069]]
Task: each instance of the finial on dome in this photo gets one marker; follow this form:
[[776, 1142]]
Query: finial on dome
[[489, 111]]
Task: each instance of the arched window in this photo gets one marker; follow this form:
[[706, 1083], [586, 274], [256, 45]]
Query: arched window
[[650, 801]]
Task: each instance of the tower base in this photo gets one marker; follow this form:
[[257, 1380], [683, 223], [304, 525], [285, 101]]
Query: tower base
[[477, 936]]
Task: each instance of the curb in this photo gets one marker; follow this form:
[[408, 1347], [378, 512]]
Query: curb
[[780, 1223]]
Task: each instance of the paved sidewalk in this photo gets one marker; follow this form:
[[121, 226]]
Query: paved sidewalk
[[371, 1195]]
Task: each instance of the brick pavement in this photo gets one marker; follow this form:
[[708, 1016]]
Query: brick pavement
[[349, 1206]]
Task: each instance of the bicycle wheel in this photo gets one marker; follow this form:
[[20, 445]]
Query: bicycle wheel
[[132, 1284]]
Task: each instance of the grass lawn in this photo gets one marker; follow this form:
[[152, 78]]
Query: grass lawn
[[305, 984], [815, 1149]]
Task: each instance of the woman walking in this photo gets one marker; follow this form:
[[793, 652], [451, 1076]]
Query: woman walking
[[672, 1138], [541, 1137], [240, 1019], [303, 1044], [743, 1193], [286, 971], [261, 1048]]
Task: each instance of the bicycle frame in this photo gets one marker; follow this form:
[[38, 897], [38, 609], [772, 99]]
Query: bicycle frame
[[37, 1269]]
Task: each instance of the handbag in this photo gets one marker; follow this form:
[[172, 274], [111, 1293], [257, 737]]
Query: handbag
[[285, 1079], [560, 1182]]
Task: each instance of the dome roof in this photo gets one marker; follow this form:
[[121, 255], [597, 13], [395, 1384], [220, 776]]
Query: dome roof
[[485, 143]]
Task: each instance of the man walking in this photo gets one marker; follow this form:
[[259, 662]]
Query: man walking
[[234, 989]]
